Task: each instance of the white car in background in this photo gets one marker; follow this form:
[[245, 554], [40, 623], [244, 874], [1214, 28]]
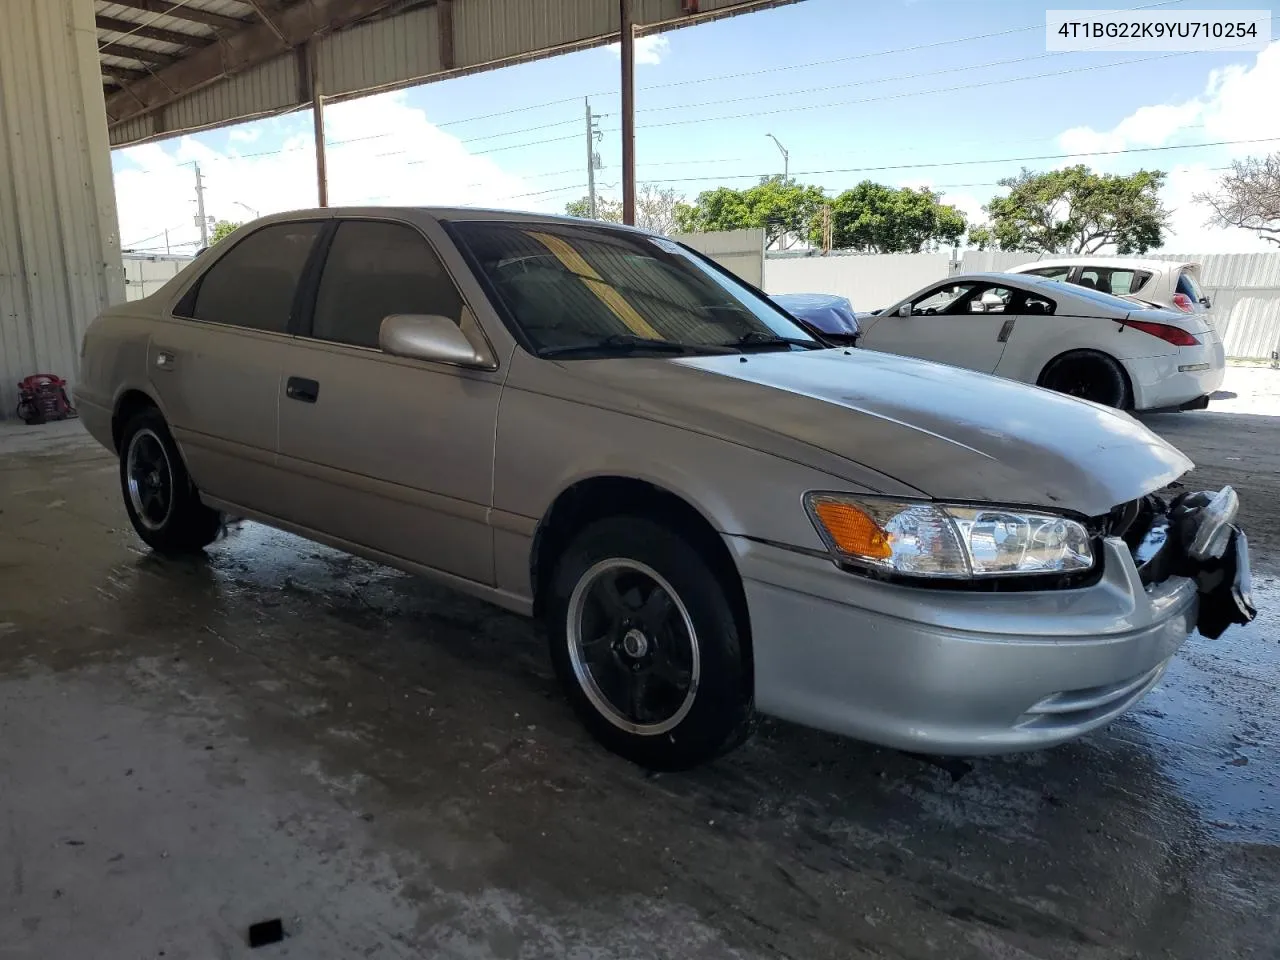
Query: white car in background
[[1172, 284], [1057, 335]]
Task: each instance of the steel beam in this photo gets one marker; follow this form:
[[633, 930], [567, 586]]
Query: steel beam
[[190, 14], [152, 33], [135, 53], [255, 43]]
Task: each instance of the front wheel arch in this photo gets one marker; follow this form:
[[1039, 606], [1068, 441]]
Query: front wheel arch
[[1122, 396]]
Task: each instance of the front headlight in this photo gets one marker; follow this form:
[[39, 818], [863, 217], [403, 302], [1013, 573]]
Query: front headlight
[[943, 540]]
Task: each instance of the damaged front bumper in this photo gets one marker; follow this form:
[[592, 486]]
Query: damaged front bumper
[[1196, 536]]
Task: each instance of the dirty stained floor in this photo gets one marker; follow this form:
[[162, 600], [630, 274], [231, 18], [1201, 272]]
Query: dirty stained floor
[[281, 730]]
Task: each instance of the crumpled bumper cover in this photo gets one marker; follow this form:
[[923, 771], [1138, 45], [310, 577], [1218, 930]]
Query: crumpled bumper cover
[[1203, 542]]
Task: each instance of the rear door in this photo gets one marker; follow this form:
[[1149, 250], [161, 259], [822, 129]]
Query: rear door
[[964, 324], [215, 364], [391, 454]]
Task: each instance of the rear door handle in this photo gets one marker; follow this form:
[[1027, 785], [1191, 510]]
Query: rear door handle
[[298, 388], [165, 360], [1005, 330]]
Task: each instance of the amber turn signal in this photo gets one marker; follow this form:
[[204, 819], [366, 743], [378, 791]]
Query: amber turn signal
[[852, 531]]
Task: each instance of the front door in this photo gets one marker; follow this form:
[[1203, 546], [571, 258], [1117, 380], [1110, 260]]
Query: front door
[[965, 324], [387, 453], [215, 364]]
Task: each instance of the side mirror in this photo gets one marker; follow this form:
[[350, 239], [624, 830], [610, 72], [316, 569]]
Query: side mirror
[[904, 310], [421, 336]]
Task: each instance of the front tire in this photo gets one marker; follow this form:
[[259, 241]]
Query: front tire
[[1090, 376], [645, 642], [162, 502]]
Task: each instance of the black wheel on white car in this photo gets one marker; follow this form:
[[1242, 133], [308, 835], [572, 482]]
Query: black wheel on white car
[[1089, 375], [161, 500], [645, 642]]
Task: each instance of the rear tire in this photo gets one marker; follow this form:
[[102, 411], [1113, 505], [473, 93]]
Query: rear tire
[[646, 645], [1090, 376], [163, 504]]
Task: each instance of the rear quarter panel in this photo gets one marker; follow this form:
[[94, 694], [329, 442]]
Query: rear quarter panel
[[1037, 340], [113, 362]]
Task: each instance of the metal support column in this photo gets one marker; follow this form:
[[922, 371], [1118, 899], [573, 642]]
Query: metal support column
[[627, 41], [317, 114]]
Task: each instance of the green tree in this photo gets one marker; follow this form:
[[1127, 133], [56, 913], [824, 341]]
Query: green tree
[[786, 210], [874, 218], [1075, 210], [981, 238], [221, 229]]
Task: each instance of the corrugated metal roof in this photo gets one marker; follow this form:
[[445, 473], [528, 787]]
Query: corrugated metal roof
[[398, 49]]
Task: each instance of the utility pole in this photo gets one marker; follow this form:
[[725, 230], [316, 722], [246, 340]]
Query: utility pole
[[627, 41], [166, 242], [201, 220], [591, 162]]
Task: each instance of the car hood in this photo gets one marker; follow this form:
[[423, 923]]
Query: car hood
[[949, 433]]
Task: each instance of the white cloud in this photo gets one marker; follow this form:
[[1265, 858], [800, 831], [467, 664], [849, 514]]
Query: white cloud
[[245, 134], [1239, 103], [650, 51], [382, 151]]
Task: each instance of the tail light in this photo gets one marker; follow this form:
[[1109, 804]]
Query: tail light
[[1175, 335], [1183, 302]]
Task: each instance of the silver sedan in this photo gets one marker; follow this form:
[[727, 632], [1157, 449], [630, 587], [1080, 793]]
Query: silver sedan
[[713, 512]]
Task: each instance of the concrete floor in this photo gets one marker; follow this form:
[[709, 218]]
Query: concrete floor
[[284, 731]]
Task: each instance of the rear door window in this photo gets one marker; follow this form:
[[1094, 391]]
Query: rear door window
[[253, 285], [376, 269], [1113, 280]]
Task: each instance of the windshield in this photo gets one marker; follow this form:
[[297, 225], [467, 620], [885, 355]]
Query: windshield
[[570, 287]]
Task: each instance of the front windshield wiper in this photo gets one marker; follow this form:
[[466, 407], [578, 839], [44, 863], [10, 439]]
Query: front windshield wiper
[[758, 338], [627, 343]]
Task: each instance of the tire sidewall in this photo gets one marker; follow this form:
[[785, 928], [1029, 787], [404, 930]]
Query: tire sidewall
[[189, 525], [1104, 371], [721, 704]]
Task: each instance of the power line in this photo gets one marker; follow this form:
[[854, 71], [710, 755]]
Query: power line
[[879, 53], [915, 93], [965, 163]]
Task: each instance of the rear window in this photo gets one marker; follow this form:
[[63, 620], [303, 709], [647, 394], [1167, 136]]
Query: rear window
[[254, 283], [1187, 285]]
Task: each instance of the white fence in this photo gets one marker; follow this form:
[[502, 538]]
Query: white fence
[[869, 281], [739, 251], [144, 275]]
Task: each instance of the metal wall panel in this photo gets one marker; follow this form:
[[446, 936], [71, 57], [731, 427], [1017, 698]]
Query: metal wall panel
[[59, 243], [381, 53], [404, 49], [259, 91], [739, 251]]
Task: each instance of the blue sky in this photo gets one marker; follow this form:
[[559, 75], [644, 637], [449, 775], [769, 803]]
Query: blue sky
[[816, 74]]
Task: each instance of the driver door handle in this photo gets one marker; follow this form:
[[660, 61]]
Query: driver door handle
[[1005, 330], [301, 389]]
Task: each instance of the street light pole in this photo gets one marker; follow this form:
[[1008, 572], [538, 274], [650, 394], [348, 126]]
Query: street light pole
[[255, 213], [786, 157]]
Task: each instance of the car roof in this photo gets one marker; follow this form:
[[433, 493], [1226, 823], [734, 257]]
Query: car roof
[[1140, 263], [445, 214]]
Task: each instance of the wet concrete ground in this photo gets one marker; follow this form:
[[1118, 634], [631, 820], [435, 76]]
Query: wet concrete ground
[[283, 730]]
